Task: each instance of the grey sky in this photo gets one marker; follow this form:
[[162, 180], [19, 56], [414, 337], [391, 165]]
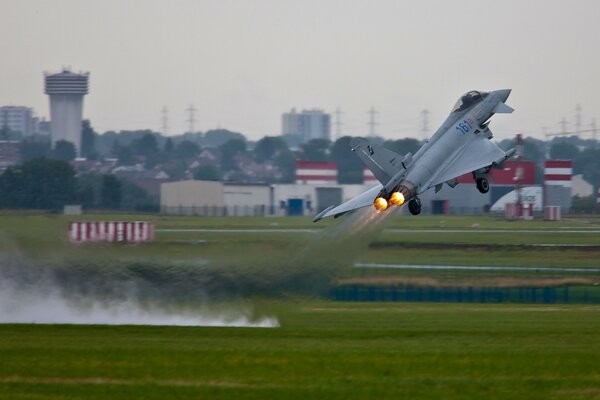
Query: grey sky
[[243, 63]]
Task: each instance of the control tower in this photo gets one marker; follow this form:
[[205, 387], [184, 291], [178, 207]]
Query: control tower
[[66, 90]]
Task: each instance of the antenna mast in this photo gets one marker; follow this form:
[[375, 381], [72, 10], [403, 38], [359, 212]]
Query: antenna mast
[[372, 112]]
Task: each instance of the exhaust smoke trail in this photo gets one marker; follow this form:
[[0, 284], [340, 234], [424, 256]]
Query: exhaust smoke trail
[[67, 295], [334, 251], [200, 292]]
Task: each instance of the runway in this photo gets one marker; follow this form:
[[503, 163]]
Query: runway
[[472, 267], [393, 230]]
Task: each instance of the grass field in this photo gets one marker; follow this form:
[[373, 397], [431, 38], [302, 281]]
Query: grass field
[[322, 349], [443, 240]]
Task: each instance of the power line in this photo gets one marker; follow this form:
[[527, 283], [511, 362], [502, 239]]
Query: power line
[[563, 125], [338, 123], [191, 120], [563, 133], [425, 127], [577, 118], [372, 112], [165, 120]]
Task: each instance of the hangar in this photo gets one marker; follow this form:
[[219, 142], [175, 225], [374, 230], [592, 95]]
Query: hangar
[[209, 198], [316, 188]]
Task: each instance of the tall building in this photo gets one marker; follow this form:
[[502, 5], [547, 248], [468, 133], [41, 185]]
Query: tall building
[[66, 90], [18, 119], [306, 125]]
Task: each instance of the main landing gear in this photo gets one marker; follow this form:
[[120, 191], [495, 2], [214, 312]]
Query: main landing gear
[[414, 206], [483, 185]]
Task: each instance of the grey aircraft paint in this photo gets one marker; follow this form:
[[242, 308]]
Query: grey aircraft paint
[[459, 146]]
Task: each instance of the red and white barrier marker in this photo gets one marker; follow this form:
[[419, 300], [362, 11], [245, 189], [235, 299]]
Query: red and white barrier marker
[[111, 231], [552, 213]]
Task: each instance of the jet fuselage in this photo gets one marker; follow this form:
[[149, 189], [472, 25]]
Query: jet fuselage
[[460, 126]]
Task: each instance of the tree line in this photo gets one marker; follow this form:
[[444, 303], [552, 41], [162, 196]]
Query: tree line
[[34, 184], [48, 184]]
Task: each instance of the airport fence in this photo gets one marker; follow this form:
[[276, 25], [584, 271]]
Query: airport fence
[[524, 295]]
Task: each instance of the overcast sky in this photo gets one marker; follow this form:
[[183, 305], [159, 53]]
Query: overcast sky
[[243, 63]]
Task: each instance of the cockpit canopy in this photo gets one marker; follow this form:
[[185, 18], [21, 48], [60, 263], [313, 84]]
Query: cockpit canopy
[[467, 100]]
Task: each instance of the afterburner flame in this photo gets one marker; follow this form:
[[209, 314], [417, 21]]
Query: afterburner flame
[[397, 199], [380, 204]]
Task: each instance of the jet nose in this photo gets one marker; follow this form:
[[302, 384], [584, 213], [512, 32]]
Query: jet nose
[[503, 94]]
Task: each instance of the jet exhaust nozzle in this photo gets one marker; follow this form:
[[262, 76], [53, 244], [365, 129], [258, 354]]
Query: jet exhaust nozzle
[[397, 199], [380, 204]]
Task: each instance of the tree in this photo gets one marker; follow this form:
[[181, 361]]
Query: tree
[[64, 151], [316, 150], [147, 146], [88, 140], [229, 150], [124, 154], [111, 193], [38, 184], [403, 146], [588, 164], [208, 172], [563, 151], [34, 147], [136, 198], [533, 149], [285, 161], [267, 147], [187, 150], [350, 167], [176, 169], [88, 189], [169, 147], [218, 137]]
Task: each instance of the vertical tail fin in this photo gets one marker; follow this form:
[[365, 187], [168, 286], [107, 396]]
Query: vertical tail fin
[[383, 163]]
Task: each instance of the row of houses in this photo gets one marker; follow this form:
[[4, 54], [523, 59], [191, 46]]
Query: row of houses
[[316, 188]]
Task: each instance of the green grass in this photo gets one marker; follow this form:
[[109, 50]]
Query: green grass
[[44, 238], [322, 350]]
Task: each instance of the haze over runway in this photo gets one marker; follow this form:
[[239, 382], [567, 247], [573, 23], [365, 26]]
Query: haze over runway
[[244, 63]]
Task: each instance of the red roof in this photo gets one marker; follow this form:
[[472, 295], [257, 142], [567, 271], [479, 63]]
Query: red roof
[[506, 175]]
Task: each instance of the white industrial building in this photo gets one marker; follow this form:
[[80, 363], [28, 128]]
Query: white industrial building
[[581, 187], [310, 199], [316, 188], [66, 90], [208, 198]]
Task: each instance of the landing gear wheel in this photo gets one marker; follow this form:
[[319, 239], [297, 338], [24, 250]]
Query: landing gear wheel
[[414, 206], [483, 185]]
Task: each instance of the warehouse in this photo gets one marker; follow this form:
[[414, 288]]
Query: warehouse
[[210, 198]]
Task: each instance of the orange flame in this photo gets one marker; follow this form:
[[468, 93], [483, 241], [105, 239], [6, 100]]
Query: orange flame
[[380, 204], [397, 199]]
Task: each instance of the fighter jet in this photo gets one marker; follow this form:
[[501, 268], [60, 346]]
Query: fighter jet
[[461, 145]]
